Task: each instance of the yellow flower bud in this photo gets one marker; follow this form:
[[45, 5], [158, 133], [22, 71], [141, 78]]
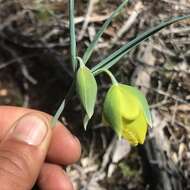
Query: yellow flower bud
[[126, 111]]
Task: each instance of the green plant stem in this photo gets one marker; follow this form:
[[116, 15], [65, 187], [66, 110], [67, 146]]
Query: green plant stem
[[80, 62], [72, 35], [113, 79]]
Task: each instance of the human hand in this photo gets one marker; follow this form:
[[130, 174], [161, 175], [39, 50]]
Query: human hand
[[30, 150]]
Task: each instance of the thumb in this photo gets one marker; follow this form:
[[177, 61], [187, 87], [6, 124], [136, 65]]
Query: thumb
[[22, 152]]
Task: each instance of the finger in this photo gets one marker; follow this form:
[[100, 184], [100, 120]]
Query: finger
[[22, 152], [53, 177], [64, 147]]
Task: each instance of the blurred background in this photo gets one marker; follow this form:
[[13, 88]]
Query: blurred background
[[35, 72]]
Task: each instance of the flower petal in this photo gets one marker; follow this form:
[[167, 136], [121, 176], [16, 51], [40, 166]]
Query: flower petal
[[138, 128], [143, 102], [129, 107], [130, 137]]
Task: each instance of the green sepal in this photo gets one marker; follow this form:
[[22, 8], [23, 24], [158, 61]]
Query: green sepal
[[87, 91], [111, 110]]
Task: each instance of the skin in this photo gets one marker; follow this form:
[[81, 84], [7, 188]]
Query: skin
[[41, 165]]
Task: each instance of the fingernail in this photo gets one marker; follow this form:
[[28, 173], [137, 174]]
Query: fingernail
[[30, 129]]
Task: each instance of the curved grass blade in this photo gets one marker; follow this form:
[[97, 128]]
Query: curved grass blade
[[117, 55], [72, 35], [58, 113], [93, 44]]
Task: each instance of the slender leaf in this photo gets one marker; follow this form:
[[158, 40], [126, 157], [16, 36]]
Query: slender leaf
[[72, 35], [107, 66], [91, 47], [117, 55], [58, 113]]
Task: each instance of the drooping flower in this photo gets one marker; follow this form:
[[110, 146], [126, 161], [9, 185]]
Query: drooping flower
[[127, 112]]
